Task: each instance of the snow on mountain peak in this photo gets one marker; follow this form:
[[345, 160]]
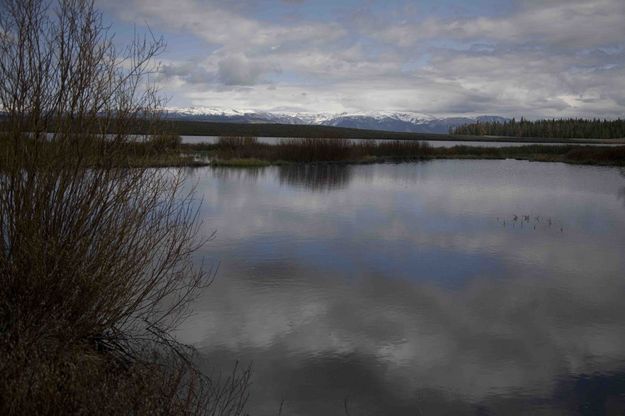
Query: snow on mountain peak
[[379, 120], [308, 118], [204, 111]]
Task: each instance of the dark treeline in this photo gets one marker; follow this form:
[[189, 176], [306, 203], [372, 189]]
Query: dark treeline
[[561, 129], [507, 132], [209, 128]]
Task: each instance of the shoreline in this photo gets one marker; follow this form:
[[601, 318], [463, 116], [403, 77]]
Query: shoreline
[[437, 137], [290, 131], [248, 152], [259, 163]]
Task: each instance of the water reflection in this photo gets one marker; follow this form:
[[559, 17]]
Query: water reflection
[[322, 177], [248, 174], [400, 294], [621, 193]]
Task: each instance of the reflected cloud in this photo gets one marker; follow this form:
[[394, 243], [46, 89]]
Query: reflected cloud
[[493, 341], [346, 296], [621, 192]]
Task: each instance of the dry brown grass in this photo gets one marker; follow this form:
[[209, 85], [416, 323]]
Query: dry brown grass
[[312, 150]]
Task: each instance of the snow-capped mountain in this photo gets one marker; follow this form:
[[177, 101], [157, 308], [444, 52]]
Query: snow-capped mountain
[[386, 121]]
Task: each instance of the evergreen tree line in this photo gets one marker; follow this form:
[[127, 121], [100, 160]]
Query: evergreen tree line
[[561, 128]]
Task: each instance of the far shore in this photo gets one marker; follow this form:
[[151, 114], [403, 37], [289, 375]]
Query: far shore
[[205, 128], [249, 153], [431, 137]]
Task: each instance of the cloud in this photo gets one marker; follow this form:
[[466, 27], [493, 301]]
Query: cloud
[[537, 58], [224, 69], [237, 69], [569, 24], [189, 72], [213, 22]]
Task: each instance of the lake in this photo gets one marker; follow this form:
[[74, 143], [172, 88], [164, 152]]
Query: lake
[[441, 287]]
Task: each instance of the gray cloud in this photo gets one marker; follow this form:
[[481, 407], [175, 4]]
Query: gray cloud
[[541, 59], [217, 24], [570, 24], [189, 72], [239, 70]]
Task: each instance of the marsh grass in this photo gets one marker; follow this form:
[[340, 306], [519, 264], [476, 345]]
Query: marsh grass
[[241, 163], [235, 151], [308, 150], [575, 154]]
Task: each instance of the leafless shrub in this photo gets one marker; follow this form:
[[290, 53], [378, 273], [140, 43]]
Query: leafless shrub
[[163, 142], [95, 256]]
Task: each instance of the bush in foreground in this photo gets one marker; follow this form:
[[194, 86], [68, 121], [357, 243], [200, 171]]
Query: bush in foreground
[[95, 253]]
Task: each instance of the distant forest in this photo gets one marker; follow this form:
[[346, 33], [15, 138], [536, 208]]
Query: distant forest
[[210, 128], [562, 129]]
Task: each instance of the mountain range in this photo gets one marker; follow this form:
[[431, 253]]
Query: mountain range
[[385, 121]]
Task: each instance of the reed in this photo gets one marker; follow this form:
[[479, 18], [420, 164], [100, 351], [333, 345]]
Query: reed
[[311, 150]]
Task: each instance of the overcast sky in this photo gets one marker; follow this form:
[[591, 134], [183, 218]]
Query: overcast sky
[[533, 58]]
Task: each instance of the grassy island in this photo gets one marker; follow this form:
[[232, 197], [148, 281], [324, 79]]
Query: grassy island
[[249, 152]]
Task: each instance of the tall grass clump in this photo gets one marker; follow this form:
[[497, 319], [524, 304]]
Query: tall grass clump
[[95, 253], [164, 142], [597, 155], [238, 147], [313, 150], [408, 149]]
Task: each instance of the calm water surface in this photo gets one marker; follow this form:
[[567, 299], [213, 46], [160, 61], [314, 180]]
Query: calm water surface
[[443, 287]]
